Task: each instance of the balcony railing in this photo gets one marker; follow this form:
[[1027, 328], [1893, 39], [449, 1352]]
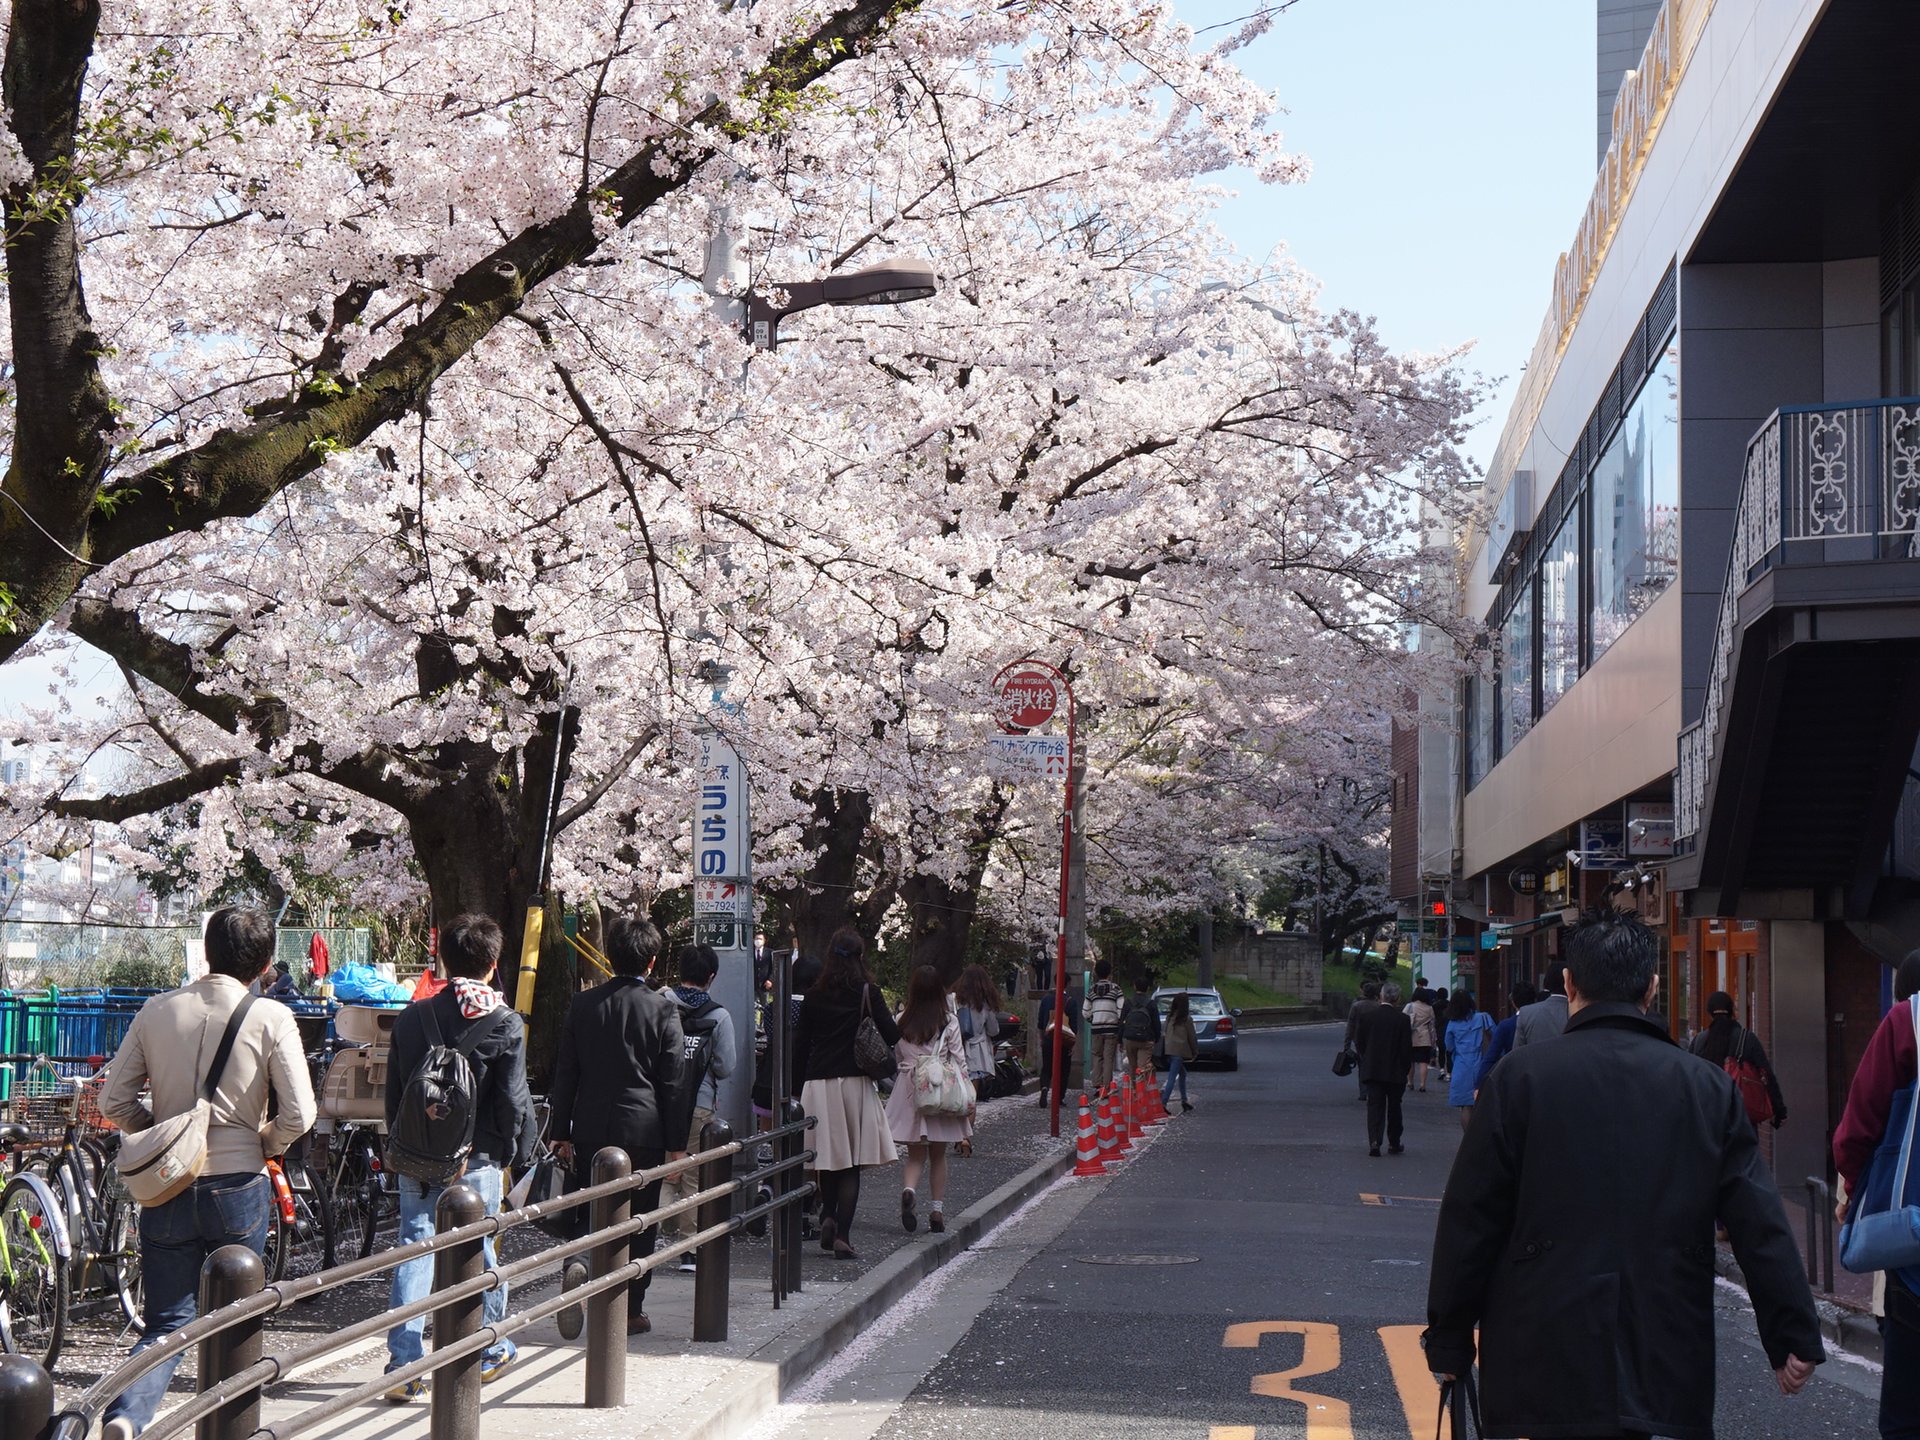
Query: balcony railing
[[1823, 485]]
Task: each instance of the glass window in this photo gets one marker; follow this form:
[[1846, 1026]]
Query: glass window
[[1478, 704], [1516, 672], [1560, 612], [1635, 492]]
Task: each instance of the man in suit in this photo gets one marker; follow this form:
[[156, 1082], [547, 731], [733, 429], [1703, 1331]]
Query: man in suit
[[1383, 1038], [631, 1037], [1368, 1002]]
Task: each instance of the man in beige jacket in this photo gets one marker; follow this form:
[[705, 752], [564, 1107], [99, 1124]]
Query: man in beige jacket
[[168, 1050]]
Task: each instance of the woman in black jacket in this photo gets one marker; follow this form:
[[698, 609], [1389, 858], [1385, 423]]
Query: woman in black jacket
[[850, 1126]]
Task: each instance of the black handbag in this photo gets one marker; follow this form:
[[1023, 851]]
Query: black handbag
[[872, 1054], [552, 1179], [1460, 1397], [1344, 1062]]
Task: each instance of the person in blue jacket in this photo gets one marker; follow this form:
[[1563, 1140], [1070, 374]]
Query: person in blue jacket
[[1469, 1033], [1521, 993]]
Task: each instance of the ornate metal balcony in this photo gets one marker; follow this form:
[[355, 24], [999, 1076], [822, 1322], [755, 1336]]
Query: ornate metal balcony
[[1823, 485]]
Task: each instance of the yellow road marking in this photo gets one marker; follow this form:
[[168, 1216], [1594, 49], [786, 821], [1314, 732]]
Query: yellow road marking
[[1230, 1432], [1327, 1418], [1369, 1198], [1419, 1396]]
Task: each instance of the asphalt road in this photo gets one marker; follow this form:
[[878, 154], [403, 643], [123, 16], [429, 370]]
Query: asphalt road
[[1252, 1274]]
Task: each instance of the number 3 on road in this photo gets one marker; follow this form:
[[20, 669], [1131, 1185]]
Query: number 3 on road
[[1327, 1418]]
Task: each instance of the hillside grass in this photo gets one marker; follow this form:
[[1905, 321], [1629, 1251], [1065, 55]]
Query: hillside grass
[[1237, 994]]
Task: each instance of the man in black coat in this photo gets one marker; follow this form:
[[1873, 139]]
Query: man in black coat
[[1368, 1002], [617, 1077], [1577, 1227], [1383, 1038]]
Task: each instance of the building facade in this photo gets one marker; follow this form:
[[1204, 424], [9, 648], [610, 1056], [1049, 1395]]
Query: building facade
[[1699, 586]]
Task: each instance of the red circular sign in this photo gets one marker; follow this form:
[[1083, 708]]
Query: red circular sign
[[1028, 698]]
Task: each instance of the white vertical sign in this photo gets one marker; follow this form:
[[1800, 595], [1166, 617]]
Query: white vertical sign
[[721, 838]]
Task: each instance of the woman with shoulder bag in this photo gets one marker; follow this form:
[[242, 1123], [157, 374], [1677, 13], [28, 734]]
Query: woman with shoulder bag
[[932, 1103], [832, 1058], [977, 1001]]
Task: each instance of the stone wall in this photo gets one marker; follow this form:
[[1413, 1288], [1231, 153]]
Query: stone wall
[[1289, 964]]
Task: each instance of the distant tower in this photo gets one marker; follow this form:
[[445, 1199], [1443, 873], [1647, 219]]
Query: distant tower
[[1622, 33]]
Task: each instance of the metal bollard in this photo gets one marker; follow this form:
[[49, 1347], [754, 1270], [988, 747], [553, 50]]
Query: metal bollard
[[713, 1261], [456, 1385], [791, 1113], [233, 1272], [26, 1399], [607, 1311]]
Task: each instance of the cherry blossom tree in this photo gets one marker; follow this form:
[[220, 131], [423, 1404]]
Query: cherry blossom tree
[[524, 505]]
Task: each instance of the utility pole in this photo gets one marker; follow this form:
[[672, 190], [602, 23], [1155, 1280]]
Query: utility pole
[[1076, 920]]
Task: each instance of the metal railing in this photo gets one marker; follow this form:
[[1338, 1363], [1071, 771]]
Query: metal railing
[[235, 1302], [1822, 484]]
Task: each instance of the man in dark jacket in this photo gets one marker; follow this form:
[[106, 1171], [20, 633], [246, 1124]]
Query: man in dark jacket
[[1368, 1002], [1727, 1039], [1383, 1038], [630, 1037], [503, 1128], [1577, 1227]]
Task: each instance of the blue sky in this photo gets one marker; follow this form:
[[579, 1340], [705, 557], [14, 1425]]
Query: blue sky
[[1452, 144], [1453, 148]]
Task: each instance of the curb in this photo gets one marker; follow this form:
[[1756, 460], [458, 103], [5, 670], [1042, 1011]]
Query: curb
[[791, 1359], [1850, 1330]]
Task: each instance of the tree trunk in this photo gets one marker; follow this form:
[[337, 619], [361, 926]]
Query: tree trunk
[[941, 912], [828, 895]]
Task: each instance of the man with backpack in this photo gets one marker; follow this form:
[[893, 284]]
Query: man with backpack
[[1106, 1003], [1730, 1045], [630, 1037], [707, 1057], [1140, 1026], [458, 1111]]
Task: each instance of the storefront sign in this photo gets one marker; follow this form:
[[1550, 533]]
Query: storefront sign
[[1649, 830], [1524, 880], [1603, 842]]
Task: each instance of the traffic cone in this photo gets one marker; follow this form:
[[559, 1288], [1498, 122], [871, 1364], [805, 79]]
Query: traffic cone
[[1122, 1141], [1131, 1108], [1086, 1153], [1109, 1152], [1156, 1112]]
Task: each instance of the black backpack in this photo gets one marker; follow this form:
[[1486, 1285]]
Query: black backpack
[[696, 1059], [1138, 1026], [433, 1125]]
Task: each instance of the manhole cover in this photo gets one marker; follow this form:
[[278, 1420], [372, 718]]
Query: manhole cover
[[1138, 1259]]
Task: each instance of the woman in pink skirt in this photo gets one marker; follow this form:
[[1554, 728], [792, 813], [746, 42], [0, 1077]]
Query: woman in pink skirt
[[927, 1027]]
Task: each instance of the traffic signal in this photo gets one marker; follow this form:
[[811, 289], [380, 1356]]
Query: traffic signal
[[1440, 908]]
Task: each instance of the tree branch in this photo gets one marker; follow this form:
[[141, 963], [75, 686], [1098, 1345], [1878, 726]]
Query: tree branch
[[159, 796], [236, 471]]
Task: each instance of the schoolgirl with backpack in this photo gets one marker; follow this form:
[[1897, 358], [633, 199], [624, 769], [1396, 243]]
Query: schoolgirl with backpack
[[932, 1104]]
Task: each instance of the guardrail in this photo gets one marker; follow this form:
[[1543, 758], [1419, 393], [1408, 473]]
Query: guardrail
[[236, 1303]]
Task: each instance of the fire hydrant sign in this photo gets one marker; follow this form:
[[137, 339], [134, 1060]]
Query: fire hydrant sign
[[1026, 696], [720, 834], [1044, 756]]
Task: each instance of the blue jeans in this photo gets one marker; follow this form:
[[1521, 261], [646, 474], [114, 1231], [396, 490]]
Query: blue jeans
[[175, 1240], [414, 1280], [1900, 1363], [1176, 1072]]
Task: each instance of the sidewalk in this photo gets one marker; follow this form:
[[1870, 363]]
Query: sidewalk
[[677, 1390]]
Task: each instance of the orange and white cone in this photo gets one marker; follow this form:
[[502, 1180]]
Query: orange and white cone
[[1109, 1152], [1156, 1110], [1122, 1141], [1086, 1152], [1130, 1105]]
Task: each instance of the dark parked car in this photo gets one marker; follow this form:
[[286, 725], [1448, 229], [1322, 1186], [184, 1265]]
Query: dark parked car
[[1214, 1030]]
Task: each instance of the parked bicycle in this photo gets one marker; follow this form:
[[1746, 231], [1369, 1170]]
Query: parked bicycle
[[300, 1230], [72, 1192]]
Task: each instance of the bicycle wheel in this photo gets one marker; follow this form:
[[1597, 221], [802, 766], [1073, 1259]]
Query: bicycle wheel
[[33, 1278], [123, 1244], [305, 1244], [347, 1205], [382, 1203]]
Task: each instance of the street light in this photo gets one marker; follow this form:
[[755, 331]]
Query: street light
[[894, 283]]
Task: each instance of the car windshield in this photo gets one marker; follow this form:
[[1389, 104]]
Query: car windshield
[[1199, 1006]]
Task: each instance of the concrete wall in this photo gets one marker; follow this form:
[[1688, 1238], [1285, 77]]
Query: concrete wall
[[1798, 1048], [1290, 964]]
